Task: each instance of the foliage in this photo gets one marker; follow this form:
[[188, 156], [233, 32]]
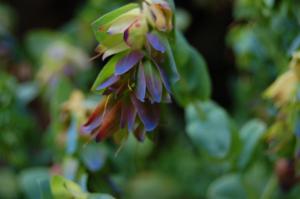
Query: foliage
[[195, 150]]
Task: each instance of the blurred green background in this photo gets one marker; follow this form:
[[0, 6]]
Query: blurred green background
[[204, 148]]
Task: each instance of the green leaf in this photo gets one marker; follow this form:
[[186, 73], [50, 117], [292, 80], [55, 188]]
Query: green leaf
[[227, 187], [170, 65], [93, 156], [152, 185], [32, 179], [209, 128], [107, 71], [44, 187], [194, 83], [105, 19], [250, 135], [181, 49], [100, 196], [8, 184], [63, 188]]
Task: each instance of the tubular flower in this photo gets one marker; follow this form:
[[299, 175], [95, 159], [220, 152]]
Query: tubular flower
[[283, 90], [139, 73]]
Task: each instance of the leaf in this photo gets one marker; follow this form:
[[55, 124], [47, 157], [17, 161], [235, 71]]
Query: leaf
[[227, 187], [70, 167], [181, 50], [63, 188], [195, 85], [30, 180], [8, 184], [250, 135], [107, 71], [294, 46], [169, 65], [209, 128], [44, 187], [26, 92], [103, 22], [93, 157], [100, 196], [150, 185]]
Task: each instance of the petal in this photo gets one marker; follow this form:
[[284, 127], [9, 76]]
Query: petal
[[94, 120], [164, 77], [110, 81], [128, 116], [156, 43], [101, 25], [131, 119], [154, 85], [109, 123], [141, 84], [148, 113], [114, 50], [168, 15], [120, 24], [128, 62], [88, 129], [111, 45], [140, 133], [160, 19]]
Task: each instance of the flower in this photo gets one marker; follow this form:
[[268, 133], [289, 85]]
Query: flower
[[134, 80], [127, 113], [284, 88], [159, 14]]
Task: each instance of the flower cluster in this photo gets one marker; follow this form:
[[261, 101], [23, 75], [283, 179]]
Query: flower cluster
[[140, 70]]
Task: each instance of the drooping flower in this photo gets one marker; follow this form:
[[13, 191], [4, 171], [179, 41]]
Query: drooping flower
[[136, 78], [283, 90], [127, 114]]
